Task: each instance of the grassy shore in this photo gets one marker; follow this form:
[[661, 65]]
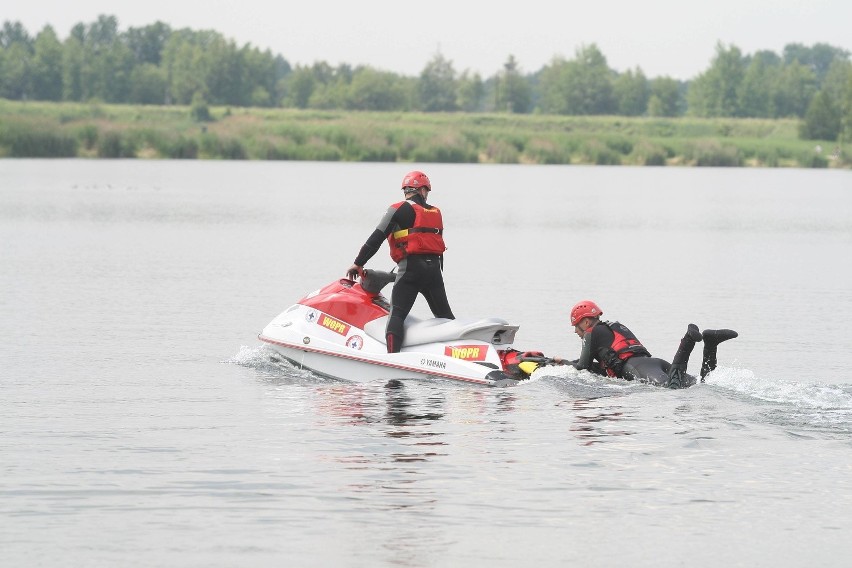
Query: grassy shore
[[38, 129]]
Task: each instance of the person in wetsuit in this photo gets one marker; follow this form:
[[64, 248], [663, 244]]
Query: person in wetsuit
[[610, 348], [414, 231]]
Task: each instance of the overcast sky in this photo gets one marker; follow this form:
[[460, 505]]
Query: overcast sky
[[674, 38]]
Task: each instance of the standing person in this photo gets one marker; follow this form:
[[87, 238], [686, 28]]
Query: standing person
[[414, 231], [611, 348]]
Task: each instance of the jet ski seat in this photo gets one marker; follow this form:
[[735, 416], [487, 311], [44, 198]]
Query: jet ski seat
[[439, 330]]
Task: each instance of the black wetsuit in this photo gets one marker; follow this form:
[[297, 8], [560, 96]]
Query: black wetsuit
[[641, 367], [418, 273]]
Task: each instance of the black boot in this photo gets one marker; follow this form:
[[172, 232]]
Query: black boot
[[716, 336], [712, 338], [688, 342], [693, 333], [394, 342]]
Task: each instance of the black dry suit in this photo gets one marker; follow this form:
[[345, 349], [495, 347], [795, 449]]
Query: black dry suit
[[418, 273], [620, 354]]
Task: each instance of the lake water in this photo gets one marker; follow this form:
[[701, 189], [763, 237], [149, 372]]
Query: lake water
[[143, 424]]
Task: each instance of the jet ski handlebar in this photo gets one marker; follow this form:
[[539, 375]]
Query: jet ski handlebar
[[374, 280], [542, 360]]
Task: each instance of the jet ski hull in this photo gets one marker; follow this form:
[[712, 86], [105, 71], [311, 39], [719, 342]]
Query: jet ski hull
[[327, 345], [402, 366]]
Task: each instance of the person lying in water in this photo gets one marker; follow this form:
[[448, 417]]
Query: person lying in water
[[610, 348]]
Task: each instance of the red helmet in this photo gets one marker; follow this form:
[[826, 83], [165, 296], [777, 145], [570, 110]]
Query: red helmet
[[416, 179], [585, 309]]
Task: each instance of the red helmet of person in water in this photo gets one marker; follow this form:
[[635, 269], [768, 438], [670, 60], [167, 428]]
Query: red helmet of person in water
[[584, 309]]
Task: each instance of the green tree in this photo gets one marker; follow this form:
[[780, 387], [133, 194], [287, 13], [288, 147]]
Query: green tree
[[632, 91], [282, 71], [552, 84], [148, 85], [16, 61], [329, 96], [846, 112], [838, 85], [513, 92], [471, 92], [261, 75], [147, 43], [14, 32], [225, 79], [795, 88], [96, 63], [665, 99], [437, 86], [716, 91], [73, 86], [375, 90], [205, 62], [818, 58], [16, 77], [47, 66], [186, 59], [107, 61], [836, 79], [822, 120], [759, 81], [582, 86], [332, 86], [298, 87]]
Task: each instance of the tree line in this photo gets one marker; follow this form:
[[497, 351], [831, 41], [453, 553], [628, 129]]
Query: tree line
[[158, 65]]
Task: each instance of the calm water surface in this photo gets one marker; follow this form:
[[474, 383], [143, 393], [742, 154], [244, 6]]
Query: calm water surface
[[142, 423]]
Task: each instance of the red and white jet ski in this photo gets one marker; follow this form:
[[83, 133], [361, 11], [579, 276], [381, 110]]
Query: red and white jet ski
[[339, 331]]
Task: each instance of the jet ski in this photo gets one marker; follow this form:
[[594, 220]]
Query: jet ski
[[339, 331]]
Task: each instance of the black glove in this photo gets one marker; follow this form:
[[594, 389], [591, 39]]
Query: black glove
[[354, 272]]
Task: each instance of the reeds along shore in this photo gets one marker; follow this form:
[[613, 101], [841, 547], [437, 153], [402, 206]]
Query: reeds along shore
[[54, 130]]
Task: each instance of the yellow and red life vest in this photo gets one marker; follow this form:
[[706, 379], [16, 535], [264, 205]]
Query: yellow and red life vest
[[424, 237], [624, 346]]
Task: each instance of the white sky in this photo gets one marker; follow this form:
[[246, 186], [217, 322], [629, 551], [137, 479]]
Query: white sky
[[675, 38]]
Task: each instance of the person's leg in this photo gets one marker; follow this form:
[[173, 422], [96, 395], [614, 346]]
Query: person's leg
[[712, 339], [677, 372], [434, 290], [651, 370], [402, 299]]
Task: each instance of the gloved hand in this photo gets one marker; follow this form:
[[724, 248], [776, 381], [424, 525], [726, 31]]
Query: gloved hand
[[354, 272]]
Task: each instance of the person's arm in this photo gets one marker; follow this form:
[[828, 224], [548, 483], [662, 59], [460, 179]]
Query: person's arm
[[370, 248], [586, 358], [593, 368], [599, 335], [563, 361], [393, 217]]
